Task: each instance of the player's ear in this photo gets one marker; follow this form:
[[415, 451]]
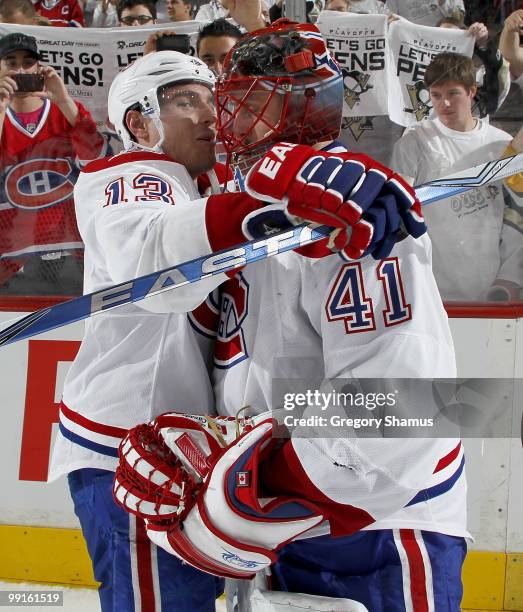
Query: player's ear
[[138, 125]]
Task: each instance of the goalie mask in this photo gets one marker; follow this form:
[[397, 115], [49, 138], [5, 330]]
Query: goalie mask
[[143, 84], [279, 84]]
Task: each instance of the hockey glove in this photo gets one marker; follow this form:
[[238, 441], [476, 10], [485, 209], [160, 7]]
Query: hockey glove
[[230, 531], [200, 499], [163, 463], [366, 201]]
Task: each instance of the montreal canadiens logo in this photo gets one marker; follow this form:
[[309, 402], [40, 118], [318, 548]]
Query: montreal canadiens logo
[[39, 183], [230, 347]]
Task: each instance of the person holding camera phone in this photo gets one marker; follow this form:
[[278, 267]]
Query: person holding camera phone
[[167, 40], [44, 133]]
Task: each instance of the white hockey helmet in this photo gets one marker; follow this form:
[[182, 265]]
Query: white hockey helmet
[[137, 86]]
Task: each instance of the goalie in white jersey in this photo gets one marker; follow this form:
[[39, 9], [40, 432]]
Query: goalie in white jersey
[[396, 508], [138, 212]]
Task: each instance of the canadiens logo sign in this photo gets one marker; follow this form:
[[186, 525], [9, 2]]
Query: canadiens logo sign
[[39, 183]]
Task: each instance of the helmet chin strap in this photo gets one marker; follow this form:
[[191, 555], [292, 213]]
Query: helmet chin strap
[[157, 148], [159, 127]]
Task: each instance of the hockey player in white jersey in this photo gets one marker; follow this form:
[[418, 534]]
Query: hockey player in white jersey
[[395, 510], [136, 212], [133, 363]]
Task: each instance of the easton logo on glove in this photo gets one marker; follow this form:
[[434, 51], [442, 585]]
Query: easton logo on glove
[[271, 164]]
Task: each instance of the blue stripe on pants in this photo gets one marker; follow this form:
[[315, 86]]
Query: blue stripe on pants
[[106, 530]]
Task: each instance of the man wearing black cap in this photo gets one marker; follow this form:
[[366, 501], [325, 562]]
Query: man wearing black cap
[[19, 55], [43, 135]]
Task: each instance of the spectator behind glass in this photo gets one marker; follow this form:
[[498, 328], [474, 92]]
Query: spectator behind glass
[[313, 9], [493, 70], [265, 7], [216, 9], [88, 7], [371, 135], [476, 245], [179, 10], [357, 6], [61, 13], [216, 38], [105, 15], [427, 12], [510, 42], [214, 41], [44, 136], [337, 5], [136, 12], [162, 15], [219, 9], [21, 12]]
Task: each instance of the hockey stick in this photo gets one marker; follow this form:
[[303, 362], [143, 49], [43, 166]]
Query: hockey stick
[[228, 259]]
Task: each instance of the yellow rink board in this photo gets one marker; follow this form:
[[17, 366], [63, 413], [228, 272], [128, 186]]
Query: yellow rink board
[[492, 581]]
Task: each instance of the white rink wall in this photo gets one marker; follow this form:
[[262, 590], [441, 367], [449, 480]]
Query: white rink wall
[[493, 348]]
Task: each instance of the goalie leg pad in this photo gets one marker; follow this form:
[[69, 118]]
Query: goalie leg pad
[[280, 601]]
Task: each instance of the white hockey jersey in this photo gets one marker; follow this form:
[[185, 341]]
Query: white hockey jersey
[[135, 212], [473, 244], [293, 317]]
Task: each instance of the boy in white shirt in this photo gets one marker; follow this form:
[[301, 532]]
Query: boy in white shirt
[[475, 246]]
